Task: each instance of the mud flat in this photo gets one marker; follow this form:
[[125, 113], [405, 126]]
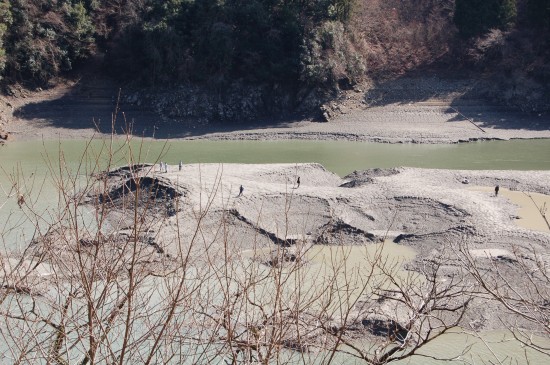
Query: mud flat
[[433, 212], [426, 122], [248, 224]]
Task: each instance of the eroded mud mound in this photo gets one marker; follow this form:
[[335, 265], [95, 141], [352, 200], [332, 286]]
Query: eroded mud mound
[[382, 327], [153, 193], [76, 252], [365, 177], [430, 246], [376, 172], [128, 170], [152, 187], [270, 235], [341, 233], [219, 232], [287, 215], [357, 183], [417, 215]]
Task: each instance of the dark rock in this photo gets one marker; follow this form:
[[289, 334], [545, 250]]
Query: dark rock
[[385, 328]]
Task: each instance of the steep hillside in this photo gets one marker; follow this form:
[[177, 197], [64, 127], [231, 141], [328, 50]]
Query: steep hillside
[[242, 60]]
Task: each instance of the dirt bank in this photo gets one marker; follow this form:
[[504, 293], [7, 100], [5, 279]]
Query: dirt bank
[[417, 110]]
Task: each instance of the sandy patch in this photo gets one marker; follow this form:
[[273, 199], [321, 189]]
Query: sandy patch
[[421, 208], [431, 213]]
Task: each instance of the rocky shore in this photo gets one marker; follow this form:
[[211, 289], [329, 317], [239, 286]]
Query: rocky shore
[[410, 110]]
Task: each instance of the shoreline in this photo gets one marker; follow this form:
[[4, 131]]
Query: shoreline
[[62, 113], [350, 131]]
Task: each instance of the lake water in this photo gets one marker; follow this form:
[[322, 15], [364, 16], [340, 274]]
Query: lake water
[[531, 205], [337, 156]]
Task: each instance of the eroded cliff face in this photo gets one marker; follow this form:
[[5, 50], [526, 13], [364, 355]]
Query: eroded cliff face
[[235, 102]]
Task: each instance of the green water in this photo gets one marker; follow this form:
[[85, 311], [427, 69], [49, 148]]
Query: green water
[[337, 156]]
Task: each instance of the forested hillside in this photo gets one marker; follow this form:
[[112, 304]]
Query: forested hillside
[[284, 45]]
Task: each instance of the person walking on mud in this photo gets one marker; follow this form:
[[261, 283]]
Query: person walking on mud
[[497, 188], [298, 182], [241, 189]]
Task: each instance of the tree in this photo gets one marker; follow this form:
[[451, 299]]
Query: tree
[[5, 22], [475, 17], [539, 13], [45, 39]]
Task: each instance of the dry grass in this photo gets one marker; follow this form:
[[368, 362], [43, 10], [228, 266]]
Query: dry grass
[[398, 36]]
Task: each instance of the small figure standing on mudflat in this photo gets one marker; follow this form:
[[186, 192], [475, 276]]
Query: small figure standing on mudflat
[[180, 165], [298, 182], [241, 189], [497, 188]]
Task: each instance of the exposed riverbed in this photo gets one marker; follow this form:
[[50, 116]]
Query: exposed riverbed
[[423, 210]]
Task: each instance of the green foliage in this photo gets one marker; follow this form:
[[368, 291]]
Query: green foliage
[[210, 40], [328, 56], [475, 17], [45, 38], [341, 9], [160, 42], [5, 23]]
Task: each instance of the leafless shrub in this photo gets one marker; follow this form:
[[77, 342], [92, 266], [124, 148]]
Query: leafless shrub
[[96, 285], [397, 36], [487, 48], [520, 283]]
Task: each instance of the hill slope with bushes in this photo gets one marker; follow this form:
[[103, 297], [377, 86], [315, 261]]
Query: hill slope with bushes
[[289, 54]]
